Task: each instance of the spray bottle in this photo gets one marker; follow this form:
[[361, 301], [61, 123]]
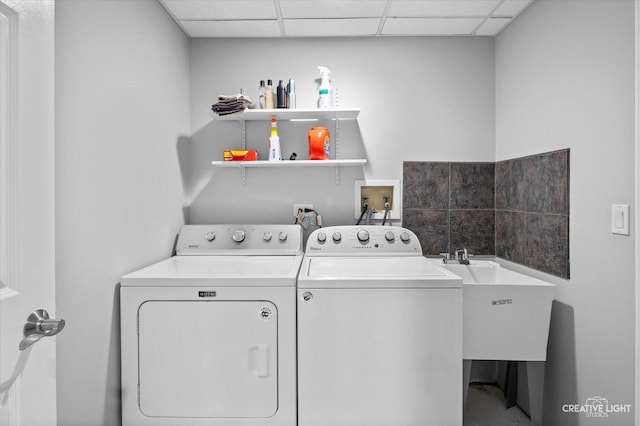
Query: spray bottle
[[274, 142], [324, 92]]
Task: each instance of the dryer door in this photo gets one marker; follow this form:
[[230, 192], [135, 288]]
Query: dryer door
[[208, 359]]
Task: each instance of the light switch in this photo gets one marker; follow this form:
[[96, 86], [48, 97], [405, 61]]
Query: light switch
[[620, 219]]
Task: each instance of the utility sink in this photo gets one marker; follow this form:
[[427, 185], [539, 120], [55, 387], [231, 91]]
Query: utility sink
[[506, 314]]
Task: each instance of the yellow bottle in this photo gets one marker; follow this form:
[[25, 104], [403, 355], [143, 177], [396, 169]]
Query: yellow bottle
[[274, 142]]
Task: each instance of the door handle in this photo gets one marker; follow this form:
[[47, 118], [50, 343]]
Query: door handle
[[259, 360], [39, 325]]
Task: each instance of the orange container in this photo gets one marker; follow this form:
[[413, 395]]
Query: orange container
[[240, 155], [319, 143]]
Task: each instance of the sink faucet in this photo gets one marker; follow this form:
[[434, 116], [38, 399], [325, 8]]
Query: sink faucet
[[461, 256]]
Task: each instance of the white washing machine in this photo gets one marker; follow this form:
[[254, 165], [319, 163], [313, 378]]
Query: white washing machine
[[379, 331], [209, 335]]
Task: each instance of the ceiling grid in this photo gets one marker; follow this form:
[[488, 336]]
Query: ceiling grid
[[342, 18]]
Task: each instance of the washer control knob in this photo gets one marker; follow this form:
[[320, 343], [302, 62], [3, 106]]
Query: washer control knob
[[322, 237], [267, 236], [282, 236], [210, 236], [336, 237], [404, 237], [389, 236], [238, 236], [363, 235]]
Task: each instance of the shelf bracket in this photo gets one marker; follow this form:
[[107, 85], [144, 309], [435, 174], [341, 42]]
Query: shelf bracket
[[337, 147], [337, 138], [243, 135], [243, 139]]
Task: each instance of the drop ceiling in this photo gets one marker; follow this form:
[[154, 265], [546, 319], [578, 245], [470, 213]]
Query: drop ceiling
[[342, 18]]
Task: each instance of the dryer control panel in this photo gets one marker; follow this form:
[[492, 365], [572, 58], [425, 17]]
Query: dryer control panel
[[212, 240], [355, 240]]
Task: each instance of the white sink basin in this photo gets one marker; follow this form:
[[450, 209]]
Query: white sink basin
[[506, 314]]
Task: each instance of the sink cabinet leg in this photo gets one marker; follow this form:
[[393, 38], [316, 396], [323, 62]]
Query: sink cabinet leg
[[535, 378], [466, 374]]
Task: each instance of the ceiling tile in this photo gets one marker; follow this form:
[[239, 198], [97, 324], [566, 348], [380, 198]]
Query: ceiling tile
[[220, 9], [231, 29], [430, 26], [319, 18], [492, 26], [511, 7], [331, 27], [441, 8], [332, 8]]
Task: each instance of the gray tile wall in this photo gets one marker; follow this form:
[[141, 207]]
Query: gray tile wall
[[515, 209], [532, 211], [450, 205]]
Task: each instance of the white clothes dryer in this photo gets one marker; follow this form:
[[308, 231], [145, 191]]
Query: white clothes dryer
[[209, 335], [379, 331]]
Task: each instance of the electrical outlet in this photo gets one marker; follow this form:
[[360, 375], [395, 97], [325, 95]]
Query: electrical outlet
[[297, 207]]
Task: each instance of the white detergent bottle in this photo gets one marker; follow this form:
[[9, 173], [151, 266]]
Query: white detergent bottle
[[324, 92], [274, 142]]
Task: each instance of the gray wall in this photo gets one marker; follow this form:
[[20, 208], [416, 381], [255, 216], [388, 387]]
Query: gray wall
[[122, 89], [421, 99], [565, 79]]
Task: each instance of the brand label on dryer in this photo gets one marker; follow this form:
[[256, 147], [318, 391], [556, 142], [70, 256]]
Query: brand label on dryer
[[502, 302], [206, 294]]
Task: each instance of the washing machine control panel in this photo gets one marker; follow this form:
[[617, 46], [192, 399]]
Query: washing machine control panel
[[355, 240], [247, 239]]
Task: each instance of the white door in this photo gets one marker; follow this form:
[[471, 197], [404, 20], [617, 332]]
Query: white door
[[214, 359], [27, 279]]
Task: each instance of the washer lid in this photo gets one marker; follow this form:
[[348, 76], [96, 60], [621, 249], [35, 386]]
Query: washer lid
[[374, 272], [182, 271]]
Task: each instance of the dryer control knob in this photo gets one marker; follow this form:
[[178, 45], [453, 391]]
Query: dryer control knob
[[336, 237], [389, 236], [210, 236], [282, 236], [404, 237], [363, 235], [238, 236], [267, 236], [322, 237]]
